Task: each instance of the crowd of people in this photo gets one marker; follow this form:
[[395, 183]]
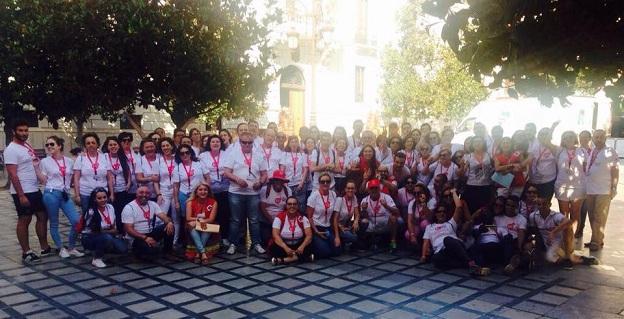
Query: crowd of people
[[476, 205]]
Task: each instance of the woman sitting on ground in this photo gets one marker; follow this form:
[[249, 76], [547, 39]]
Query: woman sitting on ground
[[201, 208], [292, 235], [99, 233], [448, 250]]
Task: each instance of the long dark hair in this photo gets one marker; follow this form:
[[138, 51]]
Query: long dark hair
[[178, 159], [121, 155], [95, 223], [372, 163]]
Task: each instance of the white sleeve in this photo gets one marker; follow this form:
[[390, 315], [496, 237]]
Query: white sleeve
[[312, 199], [306, 222], [10, 156], [127, 216], [427, 234], [78, 163], [522, 222], [176, 174], [410, 207], [277, 223], [390, 201]]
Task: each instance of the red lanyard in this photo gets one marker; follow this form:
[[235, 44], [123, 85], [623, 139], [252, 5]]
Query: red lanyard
[[326, 204], [308, 160], [106, 216], [442, 171], [408, 199], [570, 157], [327, 158], [169, 167], [215, 162], [189, 173], [29, 148], [291, 226], [267, 156], [541, 155], [150, 163], [94, 165], [349, 203], [130, 157], [341, 163], [62, 169], [424, 162], [295, 158], [116, 165], [417, 210], [375, 208], [248, 160], [146, 213], [409, 158], [592, 159]]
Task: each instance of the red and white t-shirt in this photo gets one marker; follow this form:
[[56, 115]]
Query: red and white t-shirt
[[291, 230], [437, 232]]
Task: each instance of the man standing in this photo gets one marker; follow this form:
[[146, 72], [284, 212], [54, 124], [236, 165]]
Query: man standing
[[269, 151], [19, 158], [602, 178], [178, 134], [139, 219]]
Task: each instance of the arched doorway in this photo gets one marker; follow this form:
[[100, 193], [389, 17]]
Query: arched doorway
[[292, 99]]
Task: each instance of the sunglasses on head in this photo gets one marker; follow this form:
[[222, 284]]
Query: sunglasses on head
[[325, 181], [50, 144]]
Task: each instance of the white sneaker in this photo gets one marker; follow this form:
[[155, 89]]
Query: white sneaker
[[64, 253], [231, 250], [97, 262], [76, 253], [259, 249]]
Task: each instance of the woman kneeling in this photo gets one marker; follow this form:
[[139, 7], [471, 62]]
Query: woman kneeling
[[201, 209], [292, 235]]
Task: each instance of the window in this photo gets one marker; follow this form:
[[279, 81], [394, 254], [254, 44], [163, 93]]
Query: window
[[124, 124], [361, 27], [359, 84]]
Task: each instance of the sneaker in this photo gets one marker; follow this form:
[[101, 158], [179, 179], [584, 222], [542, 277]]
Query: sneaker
[[259, 249], [225, 242], [30, 258], [97, 262], [64, 253], [312, 257], [76, 253], [393, 245], [231, 250], [46, 252], [479, 271]]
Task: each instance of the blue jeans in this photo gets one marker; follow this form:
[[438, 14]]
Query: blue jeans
[[180, 216], [53, 200], [324, 248], [200, 238], [348, 236], [84, 203], [239, 205], [103, 243]]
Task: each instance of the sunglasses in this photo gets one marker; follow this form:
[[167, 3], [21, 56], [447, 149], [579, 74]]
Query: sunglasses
[[126, 139], [50, 144], [325, 181], [246, 143]]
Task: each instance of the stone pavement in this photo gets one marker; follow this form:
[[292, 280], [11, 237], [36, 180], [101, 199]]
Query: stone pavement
[[351, 286]]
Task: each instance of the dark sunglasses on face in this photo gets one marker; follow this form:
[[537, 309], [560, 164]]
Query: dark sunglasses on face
[[50, 144], [126, 139], [246, 143], [325, 181]]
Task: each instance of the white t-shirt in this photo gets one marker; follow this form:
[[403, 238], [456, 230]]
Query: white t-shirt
[[490, 236], [119, 180], [293, 163], [271, 156], [420, 166], [323, 206], [135, 215], [384, 158], [415, 213], [526, 210], [52, 168], [345, 209], [510, 225], [437, 232], [291, 230], [213, 164], [479, 173], [411, 157], [435, 151], [109, 211], [235, 160], [182, 172], [570, 173], [437, 169], [165, 169], [148, 168], [544, 166], [599, 172], [89, 180], [22, 156], [323, 158], [546, 225], [378, 215], [404, 198], [275, 202]]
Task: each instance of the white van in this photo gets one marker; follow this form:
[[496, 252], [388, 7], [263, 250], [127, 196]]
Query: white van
[[582, 113]]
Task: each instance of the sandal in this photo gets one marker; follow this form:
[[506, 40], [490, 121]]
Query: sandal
[[205, 260], [277, 261], [197, 259]]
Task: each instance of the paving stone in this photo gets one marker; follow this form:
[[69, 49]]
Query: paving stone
[[336, 283], [477, 284], [363, 290], [282, 314], [289, 271], [399, 314], [496, 298], [160, 290], [128, 276], [313, 306], [480, 306], [220, 276], [109, 290], [511, 291], [368, 306], [257, 306], [72, 298], [225, 314], [391, 281], [565, 291], [109, 314], [421, 287], [392, 297], [201, 306], [146, 306], [173, 276], [19, 298], [126, 298], [169, 314], [201, 271], [240, 283], [30, 307], [142, 283], [573, 311], [448, 278], [40, 284], [312, 277], [549, 298], [9, 290], [287, 298], [527, 284], [424, 306], [180, 298], [312, 290], [231, 298], [342, 314], [211, 290], [89, 306], [266, 277], [459, 314], [288, 283], [191, 283], [601, 298], [452, 294], [533, 307], [515, 314], [45, 314], [339, 298]]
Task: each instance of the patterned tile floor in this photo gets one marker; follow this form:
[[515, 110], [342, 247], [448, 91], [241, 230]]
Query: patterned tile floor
[[352, 286]]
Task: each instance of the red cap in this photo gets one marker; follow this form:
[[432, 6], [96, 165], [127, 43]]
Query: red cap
[[373, 183], [279, 175]]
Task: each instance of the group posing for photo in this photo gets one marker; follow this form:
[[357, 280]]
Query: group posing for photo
[[476, 205]]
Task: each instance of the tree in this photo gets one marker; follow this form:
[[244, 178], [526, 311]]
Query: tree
[[74, 59], [422, 78], [543, 48]]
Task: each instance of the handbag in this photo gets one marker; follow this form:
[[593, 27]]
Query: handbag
[[207, 228]]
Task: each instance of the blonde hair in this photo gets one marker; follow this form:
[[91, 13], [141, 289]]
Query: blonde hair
[[194, 193]]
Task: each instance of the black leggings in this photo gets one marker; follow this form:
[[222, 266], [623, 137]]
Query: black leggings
[[279, 252], [486, 254], [453, 255]]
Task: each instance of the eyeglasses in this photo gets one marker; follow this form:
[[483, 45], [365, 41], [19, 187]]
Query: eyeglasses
[[50, 145], [185, 153], [246, 143], [325, 181]]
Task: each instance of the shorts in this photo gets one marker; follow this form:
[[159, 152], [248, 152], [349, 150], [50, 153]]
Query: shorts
[[566, 193], [36, 204]]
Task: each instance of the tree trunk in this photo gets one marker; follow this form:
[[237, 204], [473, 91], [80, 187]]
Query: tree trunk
[[136, 126], [79, 130]]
